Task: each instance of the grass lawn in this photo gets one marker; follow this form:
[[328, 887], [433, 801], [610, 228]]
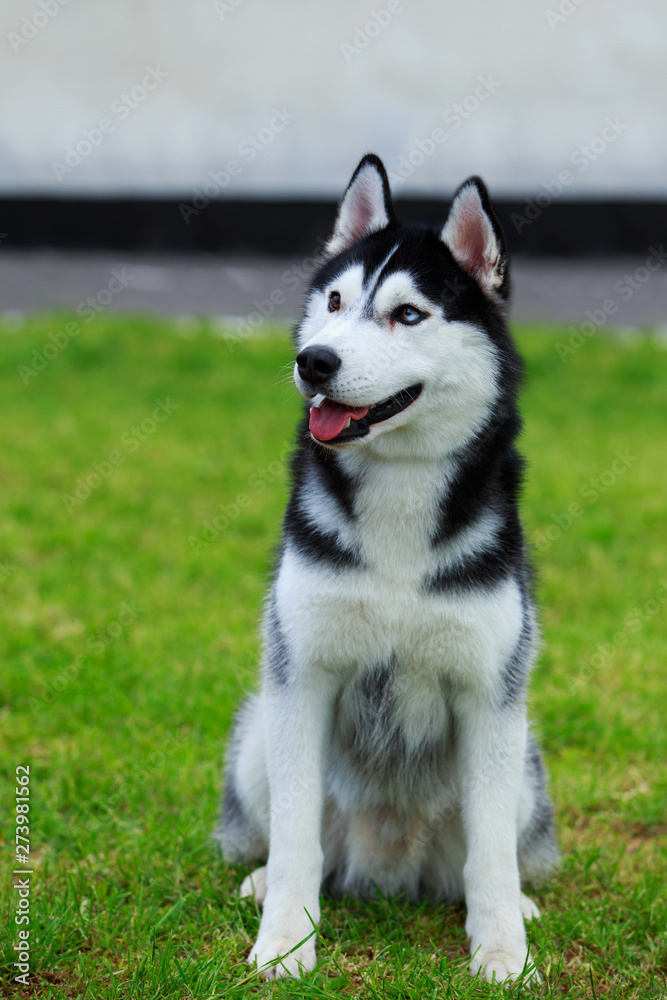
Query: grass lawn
[[129, 634]]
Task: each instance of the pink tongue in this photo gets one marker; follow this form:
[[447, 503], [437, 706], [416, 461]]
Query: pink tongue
[[328, 419]]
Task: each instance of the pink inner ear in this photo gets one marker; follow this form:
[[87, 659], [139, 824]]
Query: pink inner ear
[[366, 208], [472, 238], [363, 212], [469, 235]]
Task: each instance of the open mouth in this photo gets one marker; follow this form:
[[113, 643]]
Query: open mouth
[[337, 422]]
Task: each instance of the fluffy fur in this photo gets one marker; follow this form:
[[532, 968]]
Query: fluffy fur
[[388, 748]]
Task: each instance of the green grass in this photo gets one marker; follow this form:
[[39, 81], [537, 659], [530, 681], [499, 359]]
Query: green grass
[[129, 897]]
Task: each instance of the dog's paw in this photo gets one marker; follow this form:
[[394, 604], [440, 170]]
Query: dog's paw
[[275, 958], [254, 885], [505, 966], [529, 909]]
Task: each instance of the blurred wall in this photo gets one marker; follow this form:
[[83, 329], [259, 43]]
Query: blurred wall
[[149, 97]]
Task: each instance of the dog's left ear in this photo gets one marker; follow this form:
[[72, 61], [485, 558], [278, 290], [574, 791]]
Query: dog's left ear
[[473, 234], [366, 206]]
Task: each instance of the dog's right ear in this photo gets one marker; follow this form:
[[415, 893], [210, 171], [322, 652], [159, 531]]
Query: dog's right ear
[[366, 206]]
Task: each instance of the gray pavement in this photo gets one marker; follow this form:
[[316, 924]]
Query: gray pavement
[[620, 293]]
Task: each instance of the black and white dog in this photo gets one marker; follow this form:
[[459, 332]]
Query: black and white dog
[[388, 749]]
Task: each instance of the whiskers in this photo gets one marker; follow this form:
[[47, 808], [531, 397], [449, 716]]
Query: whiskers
[[286, 378]]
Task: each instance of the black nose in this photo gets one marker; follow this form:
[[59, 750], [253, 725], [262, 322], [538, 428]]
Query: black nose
[[317, 364]]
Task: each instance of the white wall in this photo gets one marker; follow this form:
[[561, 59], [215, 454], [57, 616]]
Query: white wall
[[554, 85]]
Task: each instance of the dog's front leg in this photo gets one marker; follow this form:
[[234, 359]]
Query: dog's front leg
[[491, 755], [298, 726]]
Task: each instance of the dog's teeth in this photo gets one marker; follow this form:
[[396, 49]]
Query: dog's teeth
[[349, 421]]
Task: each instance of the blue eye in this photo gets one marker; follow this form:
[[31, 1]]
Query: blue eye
[[409, 315]]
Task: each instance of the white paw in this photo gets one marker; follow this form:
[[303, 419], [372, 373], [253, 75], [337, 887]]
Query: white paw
[[504, 966], [254, 885], [529, 909], [274, 962]]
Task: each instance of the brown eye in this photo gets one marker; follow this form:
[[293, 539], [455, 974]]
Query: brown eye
[[334, 302]]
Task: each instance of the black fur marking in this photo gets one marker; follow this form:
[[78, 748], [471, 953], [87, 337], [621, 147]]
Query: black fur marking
[[318, 545], [369, 253], [235, 832], [307, 538], [374, 706], [486, 567], [489, 474], [277, 653], [232, 806], [379, 278], [335, 481], [238, 833], [541, 823], [535, 765], [373, 743], [537, 847], [515, 673]]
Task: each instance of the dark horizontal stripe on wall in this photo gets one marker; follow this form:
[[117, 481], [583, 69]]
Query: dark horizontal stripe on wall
[[281, 227]]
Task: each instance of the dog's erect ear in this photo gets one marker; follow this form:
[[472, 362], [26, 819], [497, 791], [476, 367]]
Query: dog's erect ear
[[473, 234], [366, 206]]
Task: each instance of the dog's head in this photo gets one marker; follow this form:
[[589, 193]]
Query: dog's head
[[403, 347]]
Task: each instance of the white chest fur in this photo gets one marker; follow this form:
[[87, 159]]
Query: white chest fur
[[344, 620]]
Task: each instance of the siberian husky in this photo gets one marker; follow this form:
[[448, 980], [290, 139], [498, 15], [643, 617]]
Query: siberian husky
[[388, 750]]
